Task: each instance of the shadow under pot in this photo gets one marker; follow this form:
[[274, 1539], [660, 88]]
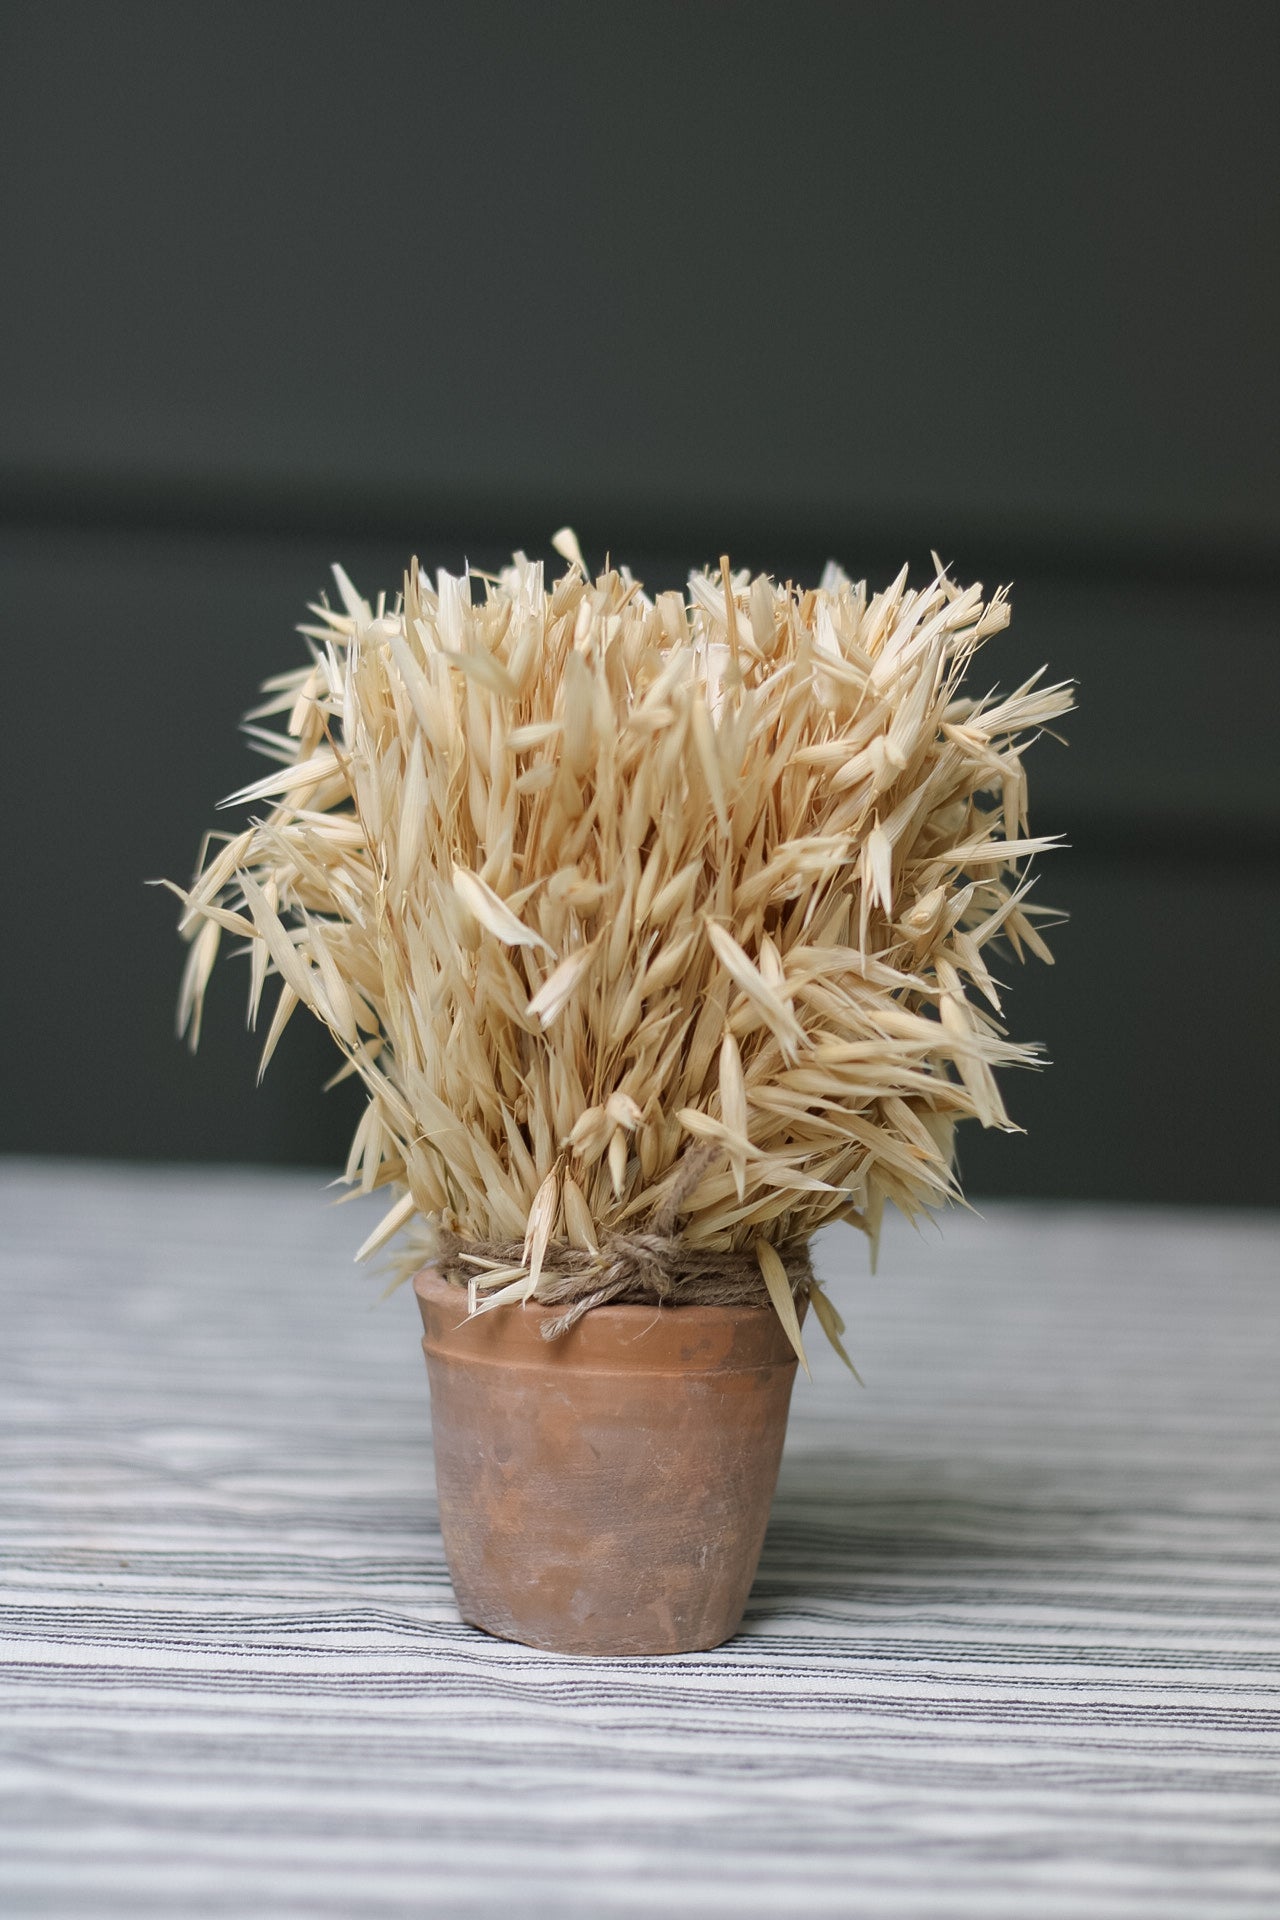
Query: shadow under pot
[[605, 1492]]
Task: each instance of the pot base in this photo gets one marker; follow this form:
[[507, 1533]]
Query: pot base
[[606, 1492]]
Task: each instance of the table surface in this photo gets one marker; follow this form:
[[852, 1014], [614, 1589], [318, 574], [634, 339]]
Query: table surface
[[1014, 1647]]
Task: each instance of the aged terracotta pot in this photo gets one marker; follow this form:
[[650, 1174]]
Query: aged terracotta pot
[[606, 1492]]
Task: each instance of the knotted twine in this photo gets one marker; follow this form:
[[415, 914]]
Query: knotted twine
[[650, 1267]]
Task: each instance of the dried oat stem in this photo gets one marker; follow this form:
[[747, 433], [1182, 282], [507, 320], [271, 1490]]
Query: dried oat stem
[[625, 908]]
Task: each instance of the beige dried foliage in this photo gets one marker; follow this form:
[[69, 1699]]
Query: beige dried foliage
[[578, 879]]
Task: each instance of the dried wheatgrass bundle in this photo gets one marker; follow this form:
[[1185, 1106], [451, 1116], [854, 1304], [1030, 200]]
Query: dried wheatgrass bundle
[[652, 927]]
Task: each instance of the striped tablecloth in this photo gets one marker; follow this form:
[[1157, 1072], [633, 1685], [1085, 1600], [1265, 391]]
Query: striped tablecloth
[[1014, 1648]]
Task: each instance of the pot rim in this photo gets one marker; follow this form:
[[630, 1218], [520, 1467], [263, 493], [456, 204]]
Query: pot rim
[[660, 1336]]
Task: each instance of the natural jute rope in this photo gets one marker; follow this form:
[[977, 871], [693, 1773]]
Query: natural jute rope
[[631, 1269]]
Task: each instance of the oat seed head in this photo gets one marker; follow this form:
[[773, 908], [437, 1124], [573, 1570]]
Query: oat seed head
[[580, 880]]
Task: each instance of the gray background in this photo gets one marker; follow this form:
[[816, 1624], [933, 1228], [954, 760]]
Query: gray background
[[288, 285]]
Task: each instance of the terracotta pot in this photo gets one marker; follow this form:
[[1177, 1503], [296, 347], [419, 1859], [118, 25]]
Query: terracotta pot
[[606, 1492]]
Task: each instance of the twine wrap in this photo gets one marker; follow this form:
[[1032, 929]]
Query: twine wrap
[[631, 1269]]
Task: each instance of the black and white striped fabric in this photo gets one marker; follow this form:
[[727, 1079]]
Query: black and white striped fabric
[[1014, 1649]]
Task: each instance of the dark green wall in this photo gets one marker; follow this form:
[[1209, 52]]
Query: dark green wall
[[288, 285]]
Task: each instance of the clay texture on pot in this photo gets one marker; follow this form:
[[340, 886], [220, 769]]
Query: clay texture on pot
[[606, 1492]]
